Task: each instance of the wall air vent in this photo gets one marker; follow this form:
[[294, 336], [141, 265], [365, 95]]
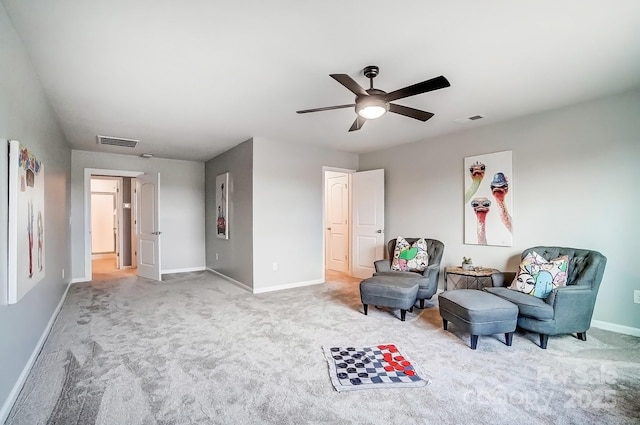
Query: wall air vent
[[117, 141]]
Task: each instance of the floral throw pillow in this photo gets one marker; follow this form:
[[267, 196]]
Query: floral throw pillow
[[538, 277], [410, 257]]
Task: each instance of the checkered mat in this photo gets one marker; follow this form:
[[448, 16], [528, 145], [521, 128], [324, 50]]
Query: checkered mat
[[378, 366]]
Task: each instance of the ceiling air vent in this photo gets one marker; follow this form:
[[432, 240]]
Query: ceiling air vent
[[117, 141], [471, 118]]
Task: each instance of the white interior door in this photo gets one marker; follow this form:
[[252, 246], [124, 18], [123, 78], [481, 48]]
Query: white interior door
[[337, 221], [367, 194], [148, 205]]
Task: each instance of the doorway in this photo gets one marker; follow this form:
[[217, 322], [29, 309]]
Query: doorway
[[354, 221], [336, 212], [112, 232]]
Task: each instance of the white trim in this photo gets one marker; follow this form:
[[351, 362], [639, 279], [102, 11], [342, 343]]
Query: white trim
[[614, 327], [80, 280], [88, 172], [235, 282], [287, 286], [13, 395], [185, 270]]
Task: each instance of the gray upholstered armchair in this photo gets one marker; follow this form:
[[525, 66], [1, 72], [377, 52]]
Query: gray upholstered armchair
[[567, 309], [428, 279]]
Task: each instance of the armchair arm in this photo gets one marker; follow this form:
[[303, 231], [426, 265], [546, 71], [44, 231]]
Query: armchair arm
[[572, 305], [431, 270], [502, 278], [382, 265]]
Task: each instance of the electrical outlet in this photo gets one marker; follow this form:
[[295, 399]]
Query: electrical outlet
[[275, 267], [636, 296]]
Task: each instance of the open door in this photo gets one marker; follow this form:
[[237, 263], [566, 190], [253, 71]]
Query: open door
[[337, 213], [367, 191], [148, 205]]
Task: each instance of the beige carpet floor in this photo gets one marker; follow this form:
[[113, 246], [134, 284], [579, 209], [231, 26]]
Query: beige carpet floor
[[195, 349]]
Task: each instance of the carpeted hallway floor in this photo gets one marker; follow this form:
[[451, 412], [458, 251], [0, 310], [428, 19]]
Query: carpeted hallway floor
[[195, 349]]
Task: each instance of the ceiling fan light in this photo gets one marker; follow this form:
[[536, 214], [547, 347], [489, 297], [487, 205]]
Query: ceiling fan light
[[372, 108]]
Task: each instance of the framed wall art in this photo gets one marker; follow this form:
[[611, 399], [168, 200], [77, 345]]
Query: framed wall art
[[26, 221], [222, 206], [488, 199]]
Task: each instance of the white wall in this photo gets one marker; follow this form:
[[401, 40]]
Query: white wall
[[288, 211], [575, 175], [181, 207], [26, 115]]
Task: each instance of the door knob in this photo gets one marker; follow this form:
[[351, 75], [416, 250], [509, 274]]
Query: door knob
[[379, 231], [328, 228]]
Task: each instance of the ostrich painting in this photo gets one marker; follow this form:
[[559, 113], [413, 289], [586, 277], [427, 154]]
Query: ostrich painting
[[488, 194]]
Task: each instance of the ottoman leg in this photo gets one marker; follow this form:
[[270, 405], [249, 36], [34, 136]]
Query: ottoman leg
[[508, 338], [474, 341], [403, 314], [444, 324], [366, 308], [411, 309]]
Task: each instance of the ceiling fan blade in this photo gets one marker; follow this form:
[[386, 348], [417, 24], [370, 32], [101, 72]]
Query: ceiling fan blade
[[410, 112], [358, 123], [349, 83], [423, 87], [326, 108]]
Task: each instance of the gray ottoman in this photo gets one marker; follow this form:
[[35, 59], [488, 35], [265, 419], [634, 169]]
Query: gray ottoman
[[479, 313], [388, 291]]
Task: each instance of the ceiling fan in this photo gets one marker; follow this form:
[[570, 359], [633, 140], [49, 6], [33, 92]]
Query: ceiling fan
[[373, 103]]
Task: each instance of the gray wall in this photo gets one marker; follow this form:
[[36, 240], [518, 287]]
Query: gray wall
[[181, 207], [235, 255], [288, 210], [25, 115], [575, 174]]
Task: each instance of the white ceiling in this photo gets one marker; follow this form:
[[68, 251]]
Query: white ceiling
[[193, 78]]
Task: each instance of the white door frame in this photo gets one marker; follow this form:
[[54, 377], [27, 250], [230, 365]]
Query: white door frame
[[88, 172], [324, 215]]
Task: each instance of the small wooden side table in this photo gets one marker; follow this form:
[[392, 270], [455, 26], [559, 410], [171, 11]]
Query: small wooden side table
[[458, 278]]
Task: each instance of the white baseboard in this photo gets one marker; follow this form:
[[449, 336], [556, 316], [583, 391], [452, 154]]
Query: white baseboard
[[185, 270], [13, 395], [235, 282], [287, 286], [614, 327], [79, 280]]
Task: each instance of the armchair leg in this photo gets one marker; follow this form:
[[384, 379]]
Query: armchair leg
[[366, 309], [403, 314], [508, 337], [422, 303], [474, 341], [582, 336], [543, 341], [411, 309]]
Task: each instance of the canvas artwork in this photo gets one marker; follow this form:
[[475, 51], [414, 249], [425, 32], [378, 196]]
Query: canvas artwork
[[26, 221], [488, 199], [222, 206]]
